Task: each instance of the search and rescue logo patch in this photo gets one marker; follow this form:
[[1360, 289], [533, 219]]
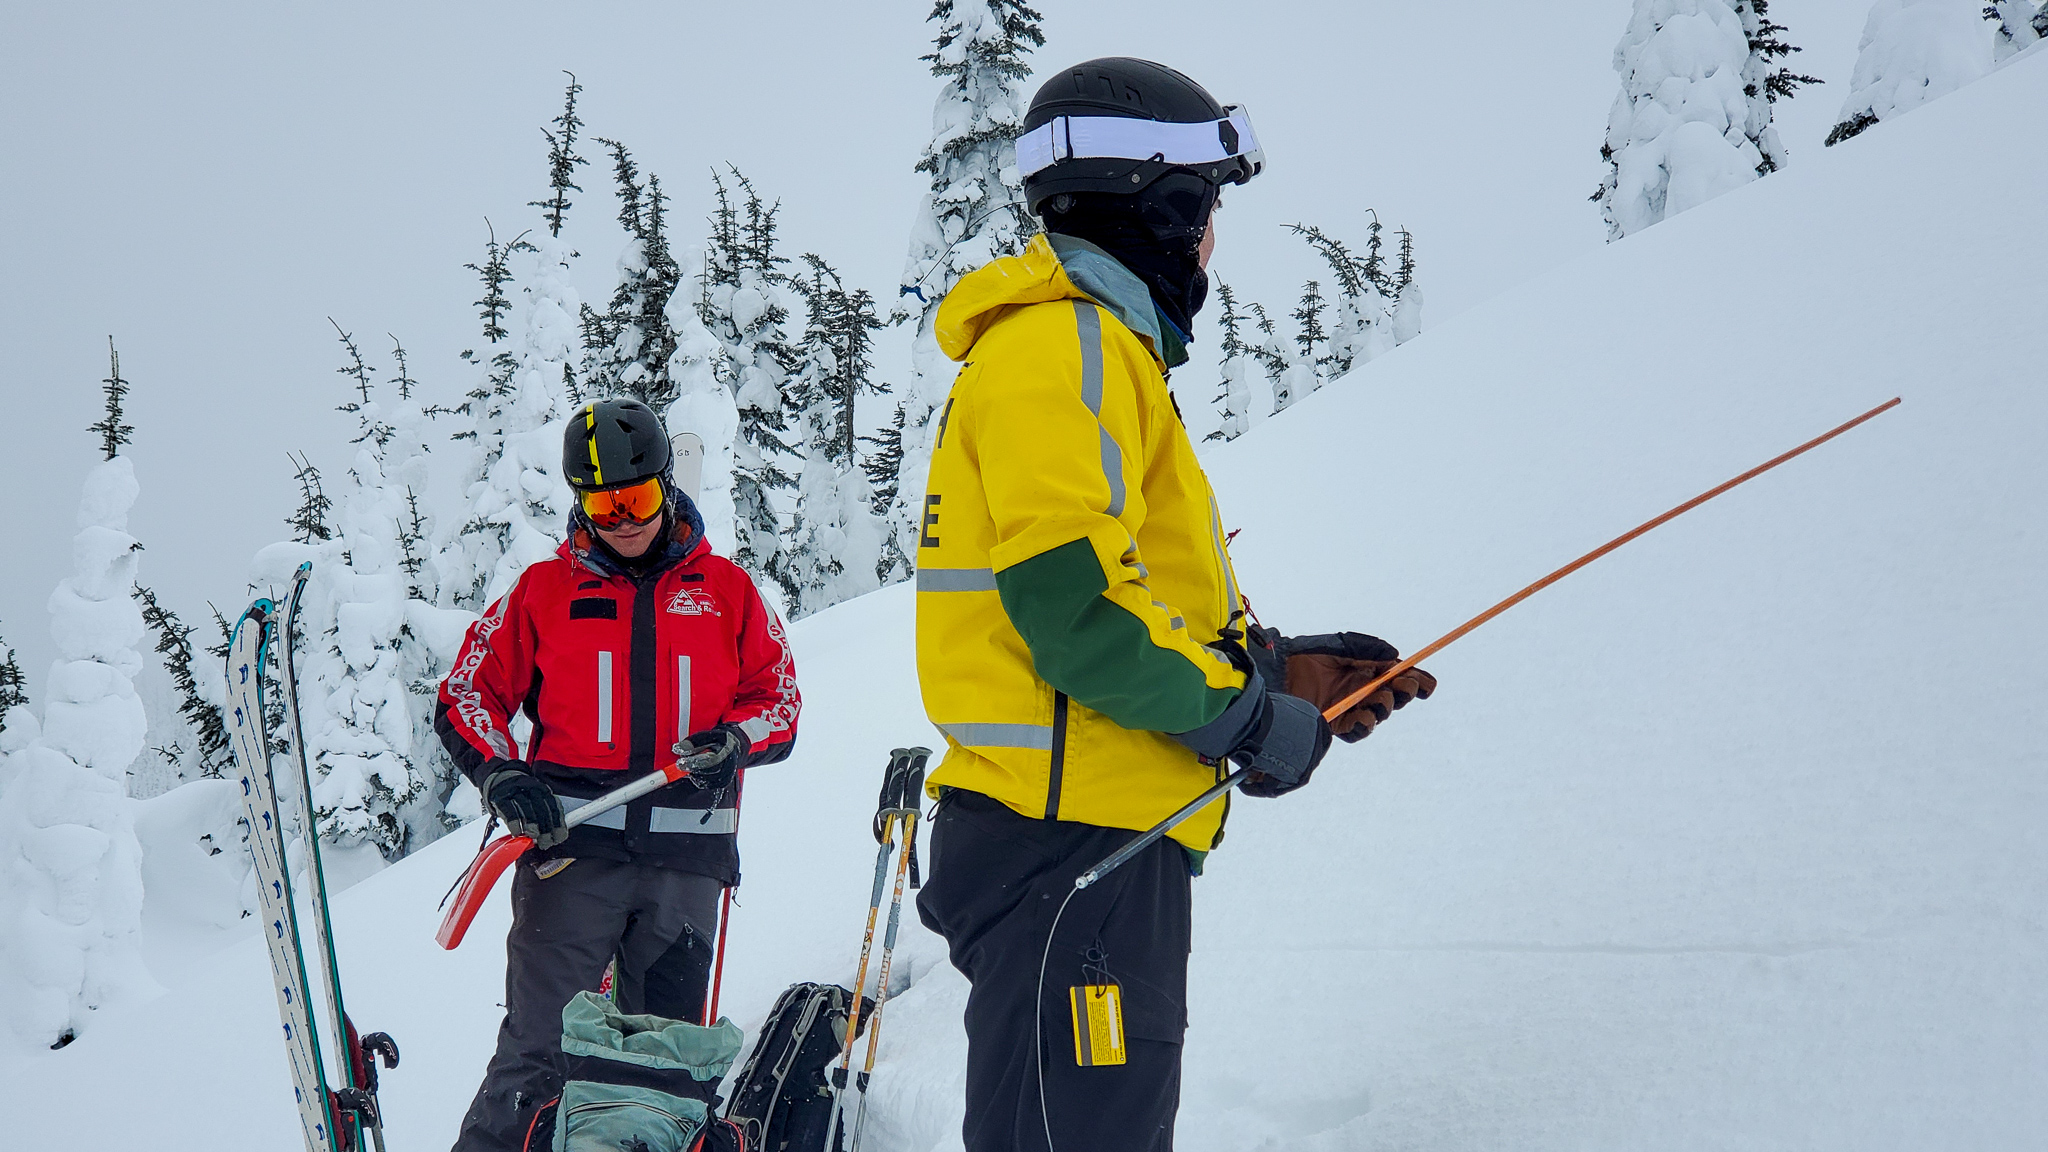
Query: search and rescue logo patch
[[690, 600]]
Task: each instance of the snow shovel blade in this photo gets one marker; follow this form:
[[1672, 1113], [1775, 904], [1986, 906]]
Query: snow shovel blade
[[476, 884], [499, 854]]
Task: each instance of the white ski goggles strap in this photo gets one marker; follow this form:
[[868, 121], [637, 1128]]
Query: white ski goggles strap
[[1127, 138]]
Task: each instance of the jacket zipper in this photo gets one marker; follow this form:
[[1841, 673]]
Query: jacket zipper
[[1059, 755]]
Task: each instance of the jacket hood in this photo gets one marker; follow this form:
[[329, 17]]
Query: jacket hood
[[1052, 267]]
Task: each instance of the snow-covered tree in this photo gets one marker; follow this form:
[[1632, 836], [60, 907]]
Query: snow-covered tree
[[835, 544], [747, 301], [1287, 380], [70, 863], [971, 213], [2020, 24], [1375, 308], [627, 347], [1407, 314], [1233, 391], [13, 687], [1693, 117], [1913, 51], [1308, 331], [462, 565], [703, 404], [212, 755], [308, 521], [516, 504]]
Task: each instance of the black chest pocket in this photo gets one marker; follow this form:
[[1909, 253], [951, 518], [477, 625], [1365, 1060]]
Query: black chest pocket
[[594, 608]]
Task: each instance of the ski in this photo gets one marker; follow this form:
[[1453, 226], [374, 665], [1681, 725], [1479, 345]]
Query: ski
[[358, 1099], [332, 1120], [248, 649]]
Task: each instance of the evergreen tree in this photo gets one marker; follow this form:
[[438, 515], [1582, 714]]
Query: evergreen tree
[[1308, 316], [1233, 393], [2020, 24], [971, 212], [464, 565], [114, 435], [1285, 379], [209, 726], [1407, 293], [1913, 51], [704, 404], [747, 301], [309, 522], [627, 347], [562, 160], [883, 465], [68, 849], [517, 504], [13, 687], [835, 544], [1693, 118], [1766, 79]]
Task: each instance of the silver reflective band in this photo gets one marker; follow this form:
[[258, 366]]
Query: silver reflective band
[[1038, 736], [723, 821], [1127, 138], [1088, 321], [956, 580], [614, 819]]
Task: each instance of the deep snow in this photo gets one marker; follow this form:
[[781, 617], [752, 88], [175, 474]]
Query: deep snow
[[1734, 839]]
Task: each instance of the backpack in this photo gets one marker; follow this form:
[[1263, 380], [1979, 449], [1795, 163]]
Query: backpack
[[781, 1100], [644, 1083]]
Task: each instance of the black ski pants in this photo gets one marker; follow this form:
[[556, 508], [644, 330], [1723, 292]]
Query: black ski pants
[[997, 882], [659, 922]]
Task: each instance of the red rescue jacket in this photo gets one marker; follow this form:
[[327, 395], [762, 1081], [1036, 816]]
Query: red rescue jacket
[[612, 671]]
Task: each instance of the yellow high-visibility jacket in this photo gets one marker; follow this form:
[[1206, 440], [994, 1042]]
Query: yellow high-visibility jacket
[[1072, 562]]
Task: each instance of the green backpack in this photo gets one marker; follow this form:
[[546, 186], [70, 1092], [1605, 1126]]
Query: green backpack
[[639, 1083]]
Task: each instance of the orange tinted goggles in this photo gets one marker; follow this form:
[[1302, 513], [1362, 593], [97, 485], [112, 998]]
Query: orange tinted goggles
[[617, 507]]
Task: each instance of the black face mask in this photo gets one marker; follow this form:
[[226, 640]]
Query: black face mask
[[1155, 232]]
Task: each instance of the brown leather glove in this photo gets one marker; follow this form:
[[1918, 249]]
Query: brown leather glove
[[1326, 668]]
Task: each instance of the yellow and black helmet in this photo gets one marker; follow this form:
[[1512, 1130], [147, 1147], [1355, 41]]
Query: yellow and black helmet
[[614, 442]]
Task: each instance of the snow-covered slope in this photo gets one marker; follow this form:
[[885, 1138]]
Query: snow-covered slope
[[1734, 839]]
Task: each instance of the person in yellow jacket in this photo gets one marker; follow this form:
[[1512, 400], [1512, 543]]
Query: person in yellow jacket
[[1080, 632]]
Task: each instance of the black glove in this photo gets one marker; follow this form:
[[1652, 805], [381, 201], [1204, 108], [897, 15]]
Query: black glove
[[527, 806], [1283, 748], [732, 747], [1326, 668]]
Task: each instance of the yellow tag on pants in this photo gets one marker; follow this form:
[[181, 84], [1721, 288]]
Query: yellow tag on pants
[[1098, 1025]]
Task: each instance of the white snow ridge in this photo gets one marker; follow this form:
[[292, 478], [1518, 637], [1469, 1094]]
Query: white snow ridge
[[1732, 840]]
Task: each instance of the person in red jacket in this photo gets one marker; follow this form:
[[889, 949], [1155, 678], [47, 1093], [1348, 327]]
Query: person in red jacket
[[633, 645]]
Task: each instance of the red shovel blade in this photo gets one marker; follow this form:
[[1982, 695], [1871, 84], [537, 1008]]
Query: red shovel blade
[[476, 884]]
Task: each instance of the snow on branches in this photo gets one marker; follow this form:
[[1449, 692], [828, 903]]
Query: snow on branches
[[1693, 117], [1913, 51], [70, 863], [971, 213]]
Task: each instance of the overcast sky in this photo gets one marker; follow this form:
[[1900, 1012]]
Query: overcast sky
[[209, 183]]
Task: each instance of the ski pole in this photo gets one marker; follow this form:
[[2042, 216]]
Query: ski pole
[[739, 788], [887, 812], [913, 786], [499, 854], [885, 840], [1145, 840]]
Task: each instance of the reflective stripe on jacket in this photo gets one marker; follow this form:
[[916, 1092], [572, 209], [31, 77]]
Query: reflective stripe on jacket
[[1072, 565], [612, 672]]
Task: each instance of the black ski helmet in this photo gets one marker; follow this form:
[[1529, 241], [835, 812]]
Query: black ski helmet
[[614, 442], [1116, 125]]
